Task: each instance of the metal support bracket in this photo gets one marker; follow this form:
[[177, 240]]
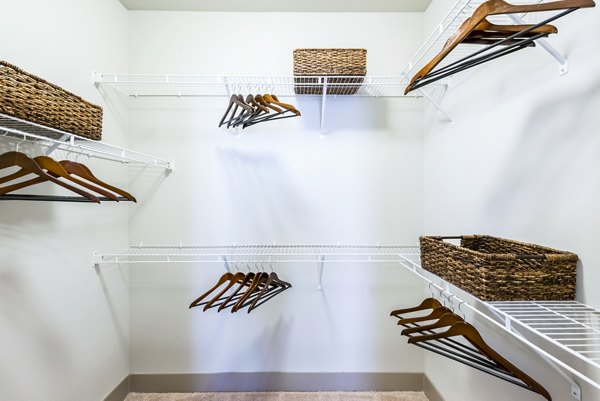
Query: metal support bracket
[[321, 266], [437, 105], [562, 60], [96, 259], [323, 103], [226, 264]]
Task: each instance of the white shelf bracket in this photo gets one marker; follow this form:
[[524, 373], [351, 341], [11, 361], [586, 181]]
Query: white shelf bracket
[[96, 259], [321, 266], [562, 60], [437, 105], [226, 264], [323, 102]]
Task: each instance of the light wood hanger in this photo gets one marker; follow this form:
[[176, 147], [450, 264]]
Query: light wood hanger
[[471, 334], [56, 169], [83, 171], [19, 159], [492, 7]]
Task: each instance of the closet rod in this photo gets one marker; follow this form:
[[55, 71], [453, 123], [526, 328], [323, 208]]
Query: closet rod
[[553, 361], [56, 198]]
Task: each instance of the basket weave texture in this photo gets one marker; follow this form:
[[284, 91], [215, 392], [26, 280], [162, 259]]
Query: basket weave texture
[[31, 98], [497, 269], [329, 62]]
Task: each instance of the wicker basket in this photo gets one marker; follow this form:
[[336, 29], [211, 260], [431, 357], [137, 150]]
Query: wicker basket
[[349, 66], [497, 269], [30, 98]]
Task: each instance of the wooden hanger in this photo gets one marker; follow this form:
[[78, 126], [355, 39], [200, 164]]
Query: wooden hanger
[[435, 314], [447, 319], [234, 100], [237, 278], [487, 8], [258, 278], [273, 285], [83, 171], [428, 303], [19, 159], [222, 280], [471, 334], [55, 169], [234, 296]]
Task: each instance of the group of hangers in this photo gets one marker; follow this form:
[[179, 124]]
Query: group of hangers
[[254, 109], [239, 290], [500, 40], [446, 333], [74, 176]]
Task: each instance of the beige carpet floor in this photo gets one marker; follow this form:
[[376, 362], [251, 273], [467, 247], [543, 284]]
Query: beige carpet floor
[[282, 396]]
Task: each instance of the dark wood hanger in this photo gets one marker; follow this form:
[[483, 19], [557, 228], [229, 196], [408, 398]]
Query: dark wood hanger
[[494, 7], [471, 334], [19, 159], [273, 284], [258, 278], [236, 278], [446, 320], [222, 280], [245, 283], [435, 314], [428, 303]]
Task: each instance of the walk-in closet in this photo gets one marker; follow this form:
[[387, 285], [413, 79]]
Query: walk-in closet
[[303, 201]]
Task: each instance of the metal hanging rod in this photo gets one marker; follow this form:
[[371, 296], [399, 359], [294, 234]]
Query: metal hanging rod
[[53, 139]]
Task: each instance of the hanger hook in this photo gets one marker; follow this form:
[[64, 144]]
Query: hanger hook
[[460, 310], [18, 143], [432, 294]]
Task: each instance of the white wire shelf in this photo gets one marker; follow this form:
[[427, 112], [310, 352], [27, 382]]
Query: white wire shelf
[[571, 325], [54, 139], [145, 85], [257, 253], [462, 10]]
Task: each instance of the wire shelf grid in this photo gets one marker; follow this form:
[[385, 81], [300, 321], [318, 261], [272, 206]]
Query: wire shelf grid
[[571, 325], [54, 139], [258, 253], [145, 85]]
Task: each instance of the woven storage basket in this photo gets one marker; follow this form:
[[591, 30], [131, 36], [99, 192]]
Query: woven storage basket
[[497, 269], [31, 98], [329, 62]]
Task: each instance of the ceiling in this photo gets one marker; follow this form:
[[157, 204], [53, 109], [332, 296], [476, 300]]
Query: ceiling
[[279, 5]]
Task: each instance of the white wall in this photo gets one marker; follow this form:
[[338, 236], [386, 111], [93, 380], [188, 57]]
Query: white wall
[[520, 162], [278, 182], [63, 326]]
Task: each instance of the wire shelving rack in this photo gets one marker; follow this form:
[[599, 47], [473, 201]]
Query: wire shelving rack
[[53, 139]]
